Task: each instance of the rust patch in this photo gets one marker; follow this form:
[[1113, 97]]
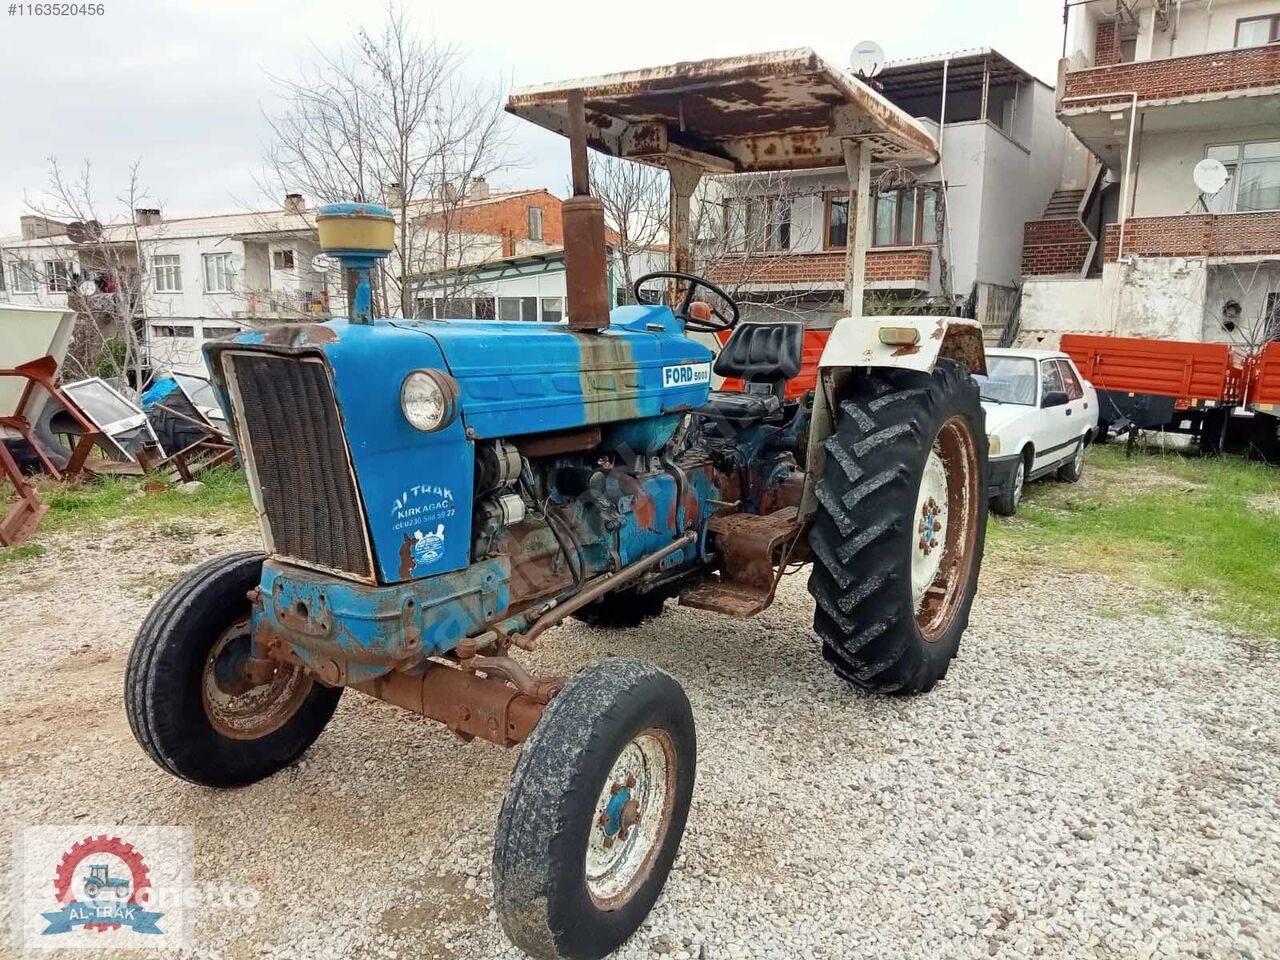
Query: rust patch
[[406, 558], [906, 350], [298, 335]]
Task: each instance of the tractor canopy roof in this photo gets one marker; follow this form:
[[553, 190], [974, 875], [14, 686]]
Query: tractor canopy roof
[[785, 110]]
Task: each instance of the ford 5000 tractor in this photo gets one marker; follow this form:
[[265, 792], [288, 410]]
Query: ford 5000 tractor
[[435, 495]]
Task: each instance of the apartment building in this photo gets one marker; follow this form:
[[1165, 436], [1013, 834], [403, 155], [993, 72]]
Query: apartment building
[[1153, 88], [944, 237], [208, 277]]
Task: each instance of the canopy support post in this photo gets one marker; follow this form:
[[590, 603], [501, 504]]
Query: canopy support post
[[857, 165], [684, 181]]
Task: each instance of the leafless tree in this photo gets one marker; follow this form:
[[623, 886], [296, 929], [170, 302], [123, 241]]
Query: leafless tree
[[635, 198], [745, 238], [98, 263], [391, 118]]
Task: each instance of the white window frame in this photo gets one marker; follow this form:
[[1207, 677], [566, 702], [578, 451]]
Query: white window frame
[[279, 255], [226, 274], [56, 283], [1228, 200], [169, 267], [23, 275]]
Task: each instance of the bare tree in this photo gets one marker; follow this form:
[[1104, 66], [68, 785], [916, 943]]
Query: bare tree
[[98, 263], [746, 238], [635, 198], [390, 118]]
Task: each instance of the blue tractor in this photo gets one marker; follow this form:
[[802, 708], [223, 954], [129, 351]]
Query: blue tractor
[[435, 495]]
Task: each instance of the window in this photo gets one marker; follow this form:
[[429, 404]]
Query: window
[[24, 276], [219, 333], [906, 217], [485, 308], [57, 274], [1009, 380], [1271, 318], [837, 220], [535, 223], [167, 273], [282, 259], [1254, 169], [518, 308], [1050, 380], [1070, 380], [2, 280], [217, 273], [757, 223], [169, 330], [552, 309], [1255, 31]]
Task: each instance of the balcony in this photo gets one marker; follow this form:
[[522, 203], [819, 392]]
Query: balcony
[[1197, 235], [1175, 79], [887, 268], [286, 305]]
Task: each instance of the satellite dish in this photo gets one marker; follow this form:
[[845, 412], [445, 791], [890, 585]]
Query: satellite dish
[[321, 263], [867, 59], [87, 288], [1210, 176]]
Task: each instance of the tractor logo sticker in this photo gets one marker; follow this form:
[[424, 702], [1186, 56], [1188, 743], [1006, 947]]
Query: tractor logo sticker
[[422, 506], [420, 550], [102, 884], [686, 375]]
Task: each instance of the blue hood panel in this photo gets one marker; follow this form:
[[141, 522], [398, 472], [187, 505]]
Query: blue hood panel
[[519, 378]]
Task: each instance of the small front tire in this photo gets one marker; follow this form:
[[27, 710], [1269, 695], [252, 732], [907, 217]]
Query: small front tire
[[184, 702], [595, 811]]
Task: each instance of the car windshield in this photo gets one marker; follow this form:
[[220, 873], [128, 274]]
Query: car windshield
[[1009, 380]]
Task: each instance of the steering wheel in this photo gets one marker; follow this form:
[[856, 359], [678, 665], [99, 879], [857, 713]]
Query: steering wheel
[[713, 324]]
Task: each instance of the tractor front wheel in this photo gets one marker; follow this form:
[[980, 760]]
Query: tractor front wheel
[[189, 703], [595, 811], [901, 522]]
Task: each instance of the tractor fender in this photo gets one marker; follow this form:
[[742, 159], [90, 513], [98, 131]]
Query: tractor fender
[[857, 343]]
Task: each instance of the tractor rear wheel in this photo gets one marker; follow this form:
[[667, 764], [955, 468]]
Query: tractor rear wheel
[[189, 704], [900, 527], [620, 610]]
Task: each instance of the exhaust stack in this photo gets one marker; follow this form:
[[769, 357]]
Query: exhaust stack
[[585, 258]]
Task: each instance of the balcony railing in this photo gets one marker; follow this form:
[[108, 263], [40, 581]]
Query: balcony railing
[[1202, 74], [896, 264], [287, 305], [1197, 235]]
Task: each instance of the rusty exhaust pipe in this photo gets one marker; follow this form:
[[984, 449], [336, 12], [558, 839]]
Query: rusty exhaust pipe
[[585, 257]]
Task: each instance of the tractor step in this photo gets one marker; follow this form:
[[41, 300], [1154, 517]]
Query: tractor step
[[749, 546]]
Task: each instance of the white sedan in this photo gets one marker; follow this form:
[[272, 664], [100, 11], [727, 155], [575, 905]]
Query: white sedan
[[1041, 414]]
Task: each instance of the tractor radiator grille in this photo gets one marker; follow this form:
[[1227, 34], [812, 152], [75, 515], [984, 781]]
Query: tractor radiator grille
[[291, 431]]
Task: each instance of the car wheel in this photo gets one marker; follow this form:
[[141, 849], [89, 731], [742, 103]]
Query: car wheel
[[1005, 503], [1073, 469]]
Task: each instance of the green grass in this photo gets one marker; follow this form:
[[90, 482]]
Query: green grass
[[87, 505], [1205, 528]]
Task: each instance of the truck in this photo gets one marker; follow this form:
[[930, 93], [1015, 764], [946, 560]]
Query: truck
[[436, 496]]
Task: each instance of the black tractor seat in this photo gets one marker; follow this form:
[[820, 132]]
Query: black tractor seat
[[764, 355]]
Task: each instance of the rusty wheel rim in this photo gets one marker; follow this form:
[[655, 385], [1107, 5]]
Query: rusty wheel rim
[[946, 528], [631, 819], [238, 709]]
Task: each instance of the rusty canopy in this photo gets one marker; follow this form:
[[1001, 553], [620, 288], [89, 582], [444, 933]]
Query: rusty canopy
[[787, 110]]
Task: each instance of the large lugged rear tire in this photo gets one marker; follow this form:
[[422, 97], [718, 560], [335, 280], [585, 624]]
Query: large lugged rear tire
[[186, 704], [901, 523]]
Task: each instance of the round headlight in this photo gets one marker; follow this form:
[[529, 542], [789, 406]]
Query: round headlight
[[428, 399]]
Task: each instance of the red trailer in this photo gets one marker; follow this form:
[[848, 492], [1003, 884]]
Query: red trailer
[[1263, 399], [1177, 385]]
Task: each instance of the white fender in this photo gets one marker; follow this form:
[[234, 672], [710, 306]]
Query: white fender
[[886, 341]]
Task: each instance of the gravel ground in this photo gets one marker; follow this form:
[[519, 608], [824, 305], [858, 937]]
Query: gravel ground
[[1080, 786]]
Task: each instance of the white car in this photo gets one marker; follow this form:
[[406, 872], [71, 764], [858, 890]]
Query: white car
[[1041, 414]]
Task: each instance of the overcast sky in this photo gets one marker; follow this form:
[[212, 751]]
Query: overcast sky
[[183, 86]]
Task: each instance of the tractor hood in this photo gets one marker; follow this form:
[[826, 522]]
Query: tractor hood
[[513, 379]]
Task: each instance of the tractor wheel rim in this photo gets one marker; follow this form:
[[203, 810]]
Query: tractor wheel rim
[[631, 819], [1019, 481], [237, 709], [946, 532]]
